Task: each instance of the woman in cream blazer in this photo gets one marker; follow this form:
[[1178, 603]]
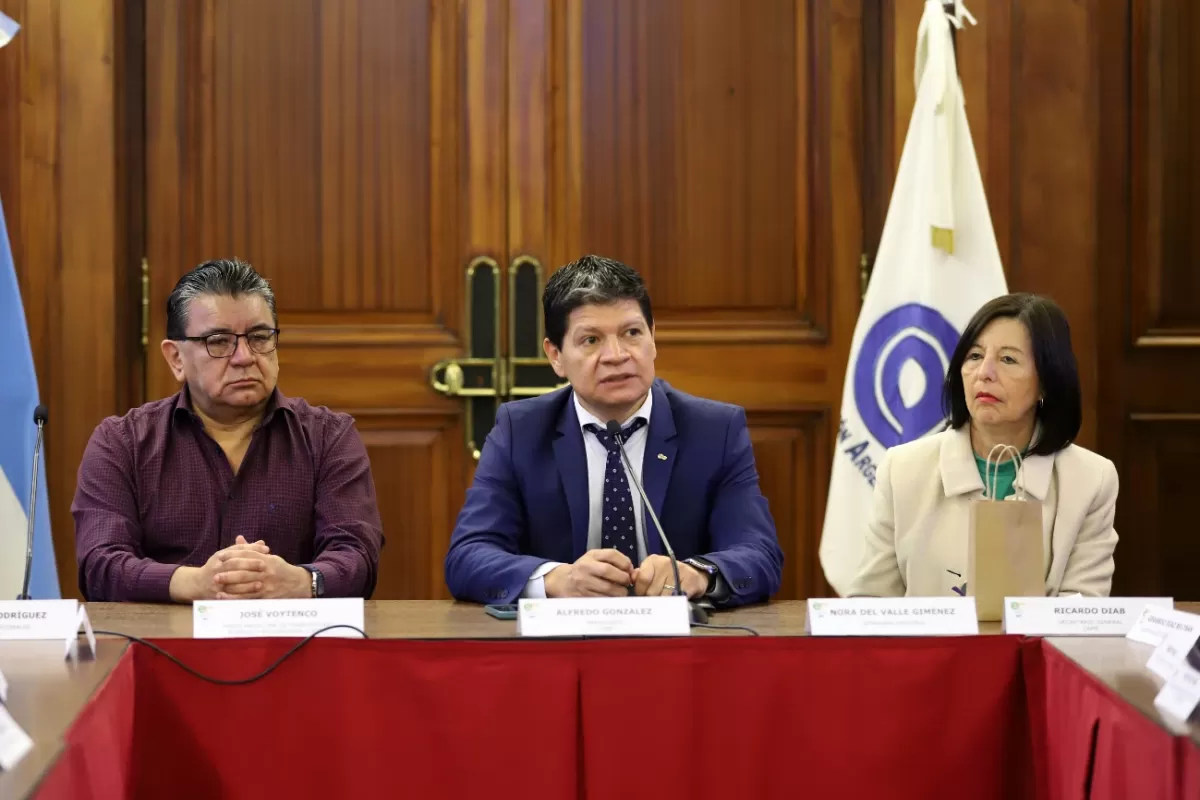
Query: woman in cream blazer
[[1012, 380]]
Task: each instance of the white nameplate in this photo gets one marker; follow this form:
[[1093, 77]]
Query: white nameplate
[[604, 616], [236, 619], [81, 621], [1170, 653], [1154, 624], [38, 619], [1177, 632], [1076, 616], [1181, 693], [891, 616], [14, 742]]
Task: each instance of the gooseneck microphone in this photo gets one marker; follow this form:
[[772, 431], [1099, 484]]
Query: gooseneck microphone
[[39, 419], [613, 428]]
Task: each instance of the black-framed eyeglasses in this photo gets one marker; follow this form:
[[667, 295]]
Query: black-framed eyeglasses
[[223, 345]]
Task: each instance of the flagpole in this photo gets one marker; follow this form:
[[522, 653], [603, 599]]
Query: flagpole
[[950, 8]]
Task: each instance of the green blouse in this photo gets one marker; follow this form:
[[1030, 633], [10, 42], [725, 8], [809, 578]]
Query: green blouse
[[1004, 476]]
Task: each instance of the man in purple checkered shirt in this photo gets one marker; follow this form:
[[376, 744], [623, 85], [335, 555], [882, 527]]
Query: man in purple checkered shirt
[[227, 489]]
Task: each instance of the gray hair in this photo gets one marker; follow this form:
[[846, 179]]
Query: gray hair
[[223, 277], [591, 280]]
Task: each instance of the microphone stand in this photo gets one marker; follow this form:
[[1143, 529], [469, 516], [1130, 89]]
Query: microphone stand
[[696, 612], [40, 419]]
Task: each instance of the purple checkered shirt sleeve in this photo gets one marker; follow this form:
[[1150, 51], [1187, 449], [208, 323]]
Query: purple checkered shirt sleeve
[[348, 536], [107, 527]]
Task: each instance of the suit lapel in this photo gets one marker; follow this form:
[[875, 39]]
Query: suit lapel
[[656, 471], [571, 460]]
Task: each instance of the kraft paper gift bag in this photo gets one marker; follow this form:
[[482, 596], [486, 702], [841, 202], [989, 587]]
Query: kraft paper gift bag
[[1004, 546]]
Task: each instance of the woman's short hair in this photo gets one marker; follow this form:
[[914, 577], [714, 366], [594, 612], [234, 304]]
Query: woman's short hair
[[1060, 412]]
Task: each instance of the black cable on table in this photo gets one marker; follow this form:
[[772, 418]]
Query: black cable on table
[[306, 640], [221, 681], [725, 627]]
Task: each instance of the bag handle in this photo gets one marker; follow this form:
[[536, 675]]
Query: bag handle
[[989, 484], [1019, 478]]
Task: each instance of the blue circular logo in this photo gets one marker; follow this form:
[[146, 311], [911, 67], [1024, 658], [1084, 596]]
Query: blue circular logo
[[909, 333]]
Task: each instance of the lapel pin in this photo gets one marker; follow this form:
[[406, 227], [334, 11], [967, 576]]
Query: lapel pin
[[661, 457]]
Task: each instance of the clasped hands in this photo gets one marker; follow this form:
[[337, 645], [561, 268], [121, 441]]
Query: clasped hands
[[242, 571], [610, 573]]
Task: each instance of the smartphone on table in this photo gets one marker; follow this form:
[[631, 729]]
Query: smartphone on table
[[504, 611]]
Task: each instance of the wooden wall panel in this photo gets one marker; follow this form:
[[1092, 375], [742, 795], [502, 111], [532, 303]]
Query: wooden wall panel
[[693, 147], [715, 148], [1032, 101], [410, 455], [1178, 121], [316, 145], [695, 153], [1165, 99], [1158, 550], [1149, 157], [1055, 181], [375, 180], [793, 453], [62, 81], [351, 151]]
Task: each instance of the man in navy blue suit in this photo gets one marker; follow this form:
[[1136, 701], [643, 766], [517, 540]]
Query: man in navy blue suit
[[552, 511]]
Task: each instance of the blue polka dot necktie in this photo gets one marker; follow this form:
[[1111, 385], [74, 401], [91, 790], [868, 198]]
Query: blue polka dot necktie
[[617, 525]]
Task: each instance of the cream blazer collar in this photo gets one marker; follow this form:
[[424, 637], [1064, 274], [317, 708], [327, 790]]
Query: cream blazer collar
[[960, 475]]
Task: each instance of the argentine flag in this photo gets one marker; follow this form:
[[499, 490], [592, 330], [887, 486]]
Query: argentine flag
[[937, 264], [18, 399]]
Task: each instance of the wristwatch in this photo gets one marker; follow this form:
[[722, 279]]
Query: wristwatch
[[705, 568], [318, 580]]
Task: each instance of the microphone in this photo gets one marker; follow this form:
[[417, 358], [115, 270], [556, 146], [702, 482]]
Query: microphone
[[39, 419], [613, 428]]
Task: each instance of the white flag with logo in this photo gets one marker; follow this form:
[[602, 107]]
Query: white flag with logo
[[937, 264]]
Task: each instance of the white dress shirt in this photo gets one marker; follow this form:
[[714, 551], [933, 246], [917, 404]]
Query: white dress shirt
[[597, 458]]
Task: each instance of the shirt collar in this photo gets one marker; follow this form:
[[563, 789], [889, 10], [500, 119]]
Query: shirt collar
[[588, 418], [276, 402], [960, 473]]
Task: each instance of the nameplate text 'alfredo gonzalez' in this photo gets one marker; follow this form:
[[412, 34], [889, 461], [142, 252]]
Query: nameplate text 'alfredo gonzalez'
[[604, 616]]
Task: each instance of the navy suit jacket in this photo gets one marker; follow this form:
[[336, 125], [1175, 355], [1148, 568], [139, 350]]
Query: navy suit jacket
[[529, 501]]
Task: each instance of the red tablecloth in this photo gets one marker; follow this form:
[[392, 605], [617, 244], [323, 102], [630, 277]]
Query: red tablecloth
[[713, 717], [792, 718], [971, 717], [1097, 746], [98, 760]]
